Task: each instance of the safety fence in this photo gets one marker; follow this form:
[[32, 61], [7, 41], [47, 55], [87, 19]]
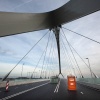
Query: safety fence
[[21, 81], [90, 82]]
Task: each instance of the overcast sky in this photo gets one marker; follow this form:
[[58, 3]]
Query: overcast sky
[[13, 48]]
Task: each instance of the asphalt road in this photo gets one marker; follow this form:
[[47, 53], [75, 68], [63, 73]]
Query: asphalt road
[[46, 91]]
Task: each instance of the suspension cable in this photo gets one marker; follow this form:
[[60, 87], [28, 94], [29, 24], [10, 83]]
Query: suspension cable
[[45, 54], [73, 55], [69, 57], [81, 35], [65, 56], [25, 56], [49, 54], [39, 61], [52, 57], [52, 54], [83, 60], [70, 71]]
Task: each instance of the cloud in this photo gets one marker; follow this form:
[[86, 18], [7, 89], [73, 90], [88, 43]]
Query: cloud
[[13, 48], [88, 26], [31, 5]]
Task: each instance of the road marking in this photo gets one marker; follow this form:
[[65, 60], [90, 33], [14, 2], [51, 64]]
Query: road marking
[[11, 96], [57, 87], [81, 92]]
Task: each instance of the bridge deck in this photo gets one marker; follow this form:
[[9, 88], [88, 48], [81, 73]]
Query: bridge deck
[[42, 91]]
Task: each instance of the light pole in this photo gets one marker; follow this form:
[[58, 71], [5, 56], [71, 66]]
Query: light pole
[[22, 70], [39, 74], [45, 74], [27, 75], [74, 72], [89, 67]]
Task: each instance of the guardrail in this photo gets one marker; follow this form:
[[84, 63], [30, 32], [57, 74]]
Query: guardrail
[[19, 82], [90, 82]]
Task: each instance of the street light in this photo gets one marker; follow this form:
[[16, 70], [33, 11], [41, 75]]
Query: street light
[[22, 70], [74, 72], [45, 74], [89, 67]]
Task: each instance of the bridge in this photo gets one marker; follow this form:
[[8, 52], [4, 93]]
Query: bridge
[[48, 91], [49, 61]]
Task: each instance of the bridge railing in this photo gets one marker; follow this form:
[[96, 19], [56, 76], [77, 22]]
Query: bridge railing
[[19, 82], [90, 82]]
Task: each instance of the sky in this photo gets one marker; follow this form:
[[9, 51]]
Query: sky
[[13, 48]]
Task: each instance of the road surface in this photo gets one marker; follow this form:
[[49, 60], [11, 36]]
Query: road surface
[[46, 91]]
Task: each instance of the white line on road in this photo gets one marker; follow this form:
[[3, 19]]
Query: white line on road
[[23, 92], [81, 92], [57, 87]]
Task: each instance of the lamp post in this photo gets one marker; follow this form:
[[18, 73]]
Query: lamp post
[[89, 67], [27, 74], [22, 70], [45, 74], [40, 74], [74, 72]]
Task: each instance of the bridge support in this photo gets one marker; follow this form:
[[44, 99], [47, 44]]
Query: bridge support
[[56, 31]]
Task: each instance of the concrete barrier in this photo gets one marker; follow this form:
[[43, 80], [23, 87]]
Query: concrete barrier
[[19, 82], [90, 82]]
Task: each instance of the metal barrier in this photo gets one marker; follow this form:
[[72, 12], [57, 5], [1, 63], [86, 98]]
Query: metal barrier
[[19, 82], [90, 82]]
